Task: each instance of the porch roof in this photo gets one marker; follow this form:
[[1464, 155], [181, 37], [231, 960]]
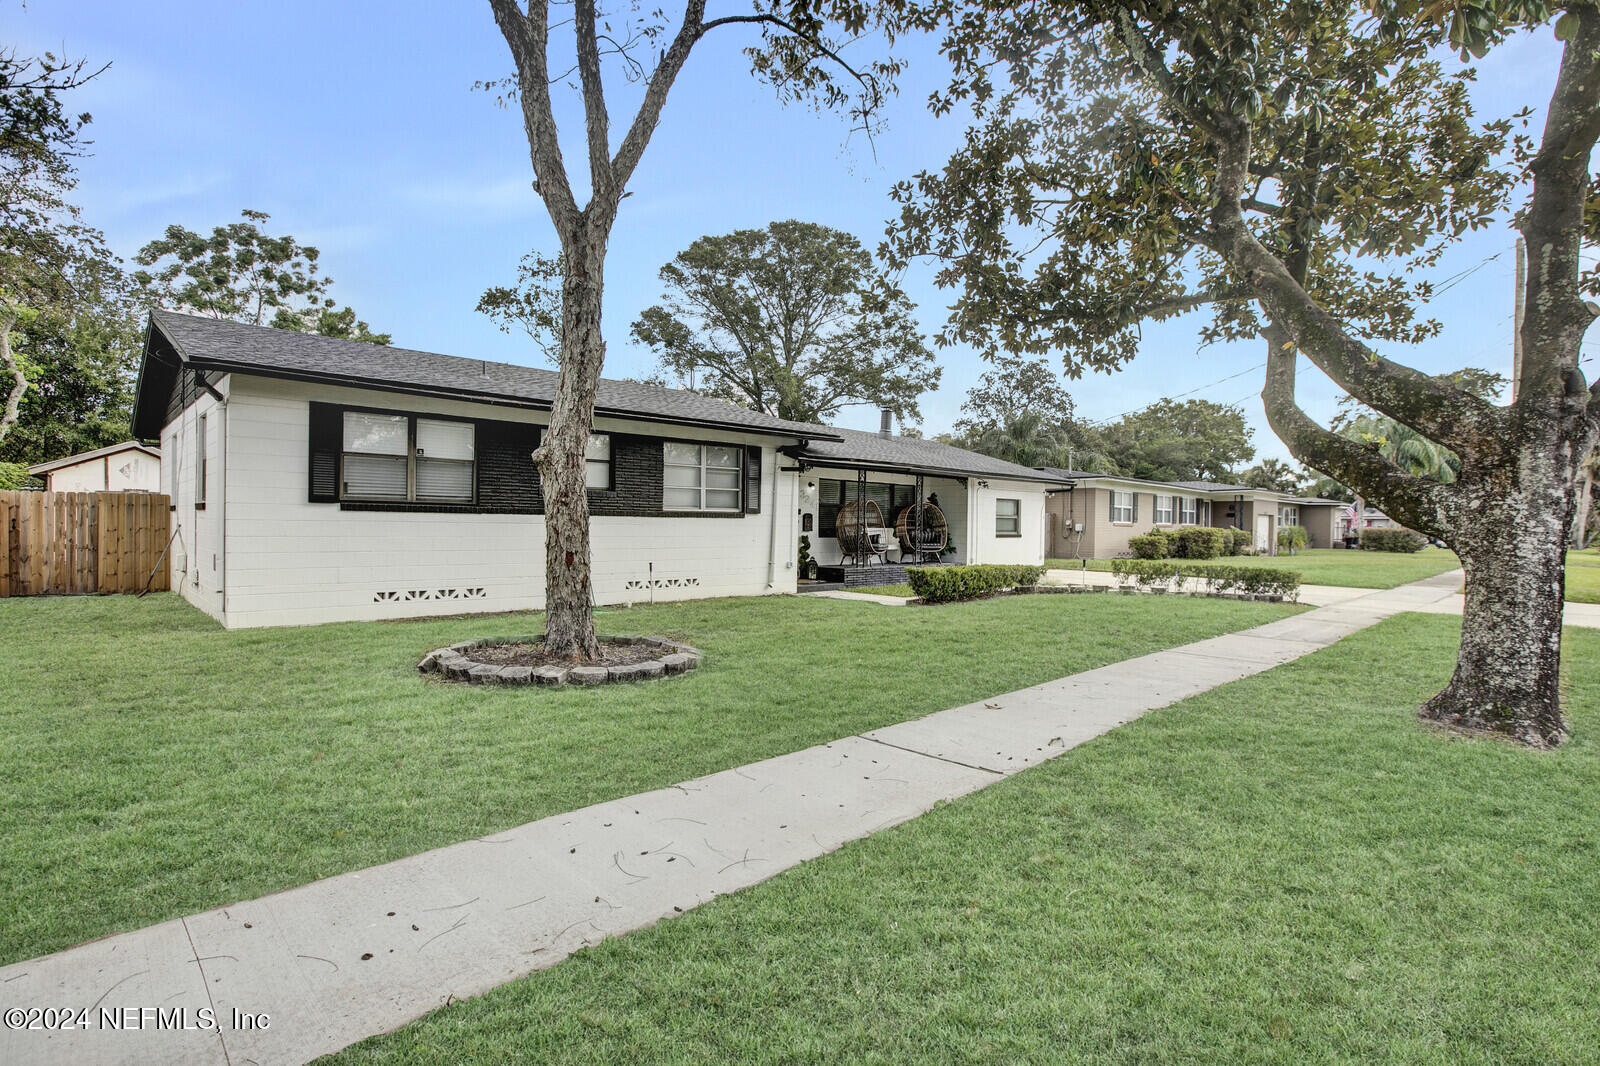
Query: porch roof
[[913, 455]]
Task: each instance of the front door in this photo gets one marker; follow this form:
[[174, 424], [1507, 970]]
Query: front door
[[1263, 532]]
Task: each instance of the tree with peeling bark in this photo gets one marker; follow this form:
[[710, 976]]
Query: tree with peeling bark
[[1296, 168], [795, 54]]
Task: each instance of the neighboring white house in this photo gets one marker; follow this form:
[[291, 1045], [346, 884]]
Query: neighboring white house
[[126, 467], [317, 480]]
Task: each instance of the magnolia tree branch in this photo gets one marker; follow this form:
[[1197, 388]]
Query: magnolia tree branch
[[1442, 412], [1555, 315], [1420, 502]]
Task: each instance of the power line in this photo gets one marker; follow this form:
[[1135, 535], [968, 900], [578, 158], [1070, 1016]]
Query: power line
[[1181, 395]]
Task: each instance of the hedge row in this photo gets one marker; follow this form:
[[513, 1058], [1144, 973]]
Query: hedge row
[[1391, 540], [1190, 542], [1247, 580], [947, 584]]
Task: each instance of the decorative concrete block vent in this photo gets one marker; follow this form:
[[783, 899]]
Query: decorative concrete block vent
[[523, 661]]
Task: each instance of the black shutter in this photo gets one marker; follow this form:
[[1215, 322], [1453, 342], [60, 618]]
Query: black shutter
[[752, 479], [1111, 498], [508, 483], [1135, 506], [830, 498], [322, 453]]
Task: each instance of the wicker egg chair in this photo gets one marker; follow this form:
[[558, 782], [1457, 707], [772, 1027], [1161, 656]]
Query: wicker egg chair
[[855, 518], [920, 534]]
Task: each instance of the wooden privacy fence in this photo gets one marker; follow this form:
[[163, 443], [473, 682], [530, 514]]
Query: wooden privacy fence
[[61, 543]]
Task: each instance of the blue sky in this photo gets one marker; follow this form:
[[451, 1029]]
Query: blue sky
[[355, 127]]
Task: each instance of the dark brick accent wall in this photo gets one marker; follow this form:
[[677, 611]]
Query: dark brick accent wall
[[507, 480], [636, 465]]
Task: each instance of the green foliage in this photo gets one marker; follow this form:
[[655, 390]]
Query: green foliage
[[1237, 541], [43, 240], [803, 560], [1391, 540], [1292, 538], [796, 320], [1223, 577], [1366, 147], [243, 274], [1273, 474], [1156, 544], [532, 305], [13, 476], [1195, 440], [947, 584], [81, 359], [1199, 542]]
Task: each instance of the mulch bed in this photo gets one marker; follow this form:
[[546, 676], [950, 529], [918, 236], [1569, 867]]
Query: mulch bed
[[533, 654]]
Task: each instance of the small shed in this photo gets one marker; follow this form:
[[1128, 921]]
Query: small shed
[[126, 467]]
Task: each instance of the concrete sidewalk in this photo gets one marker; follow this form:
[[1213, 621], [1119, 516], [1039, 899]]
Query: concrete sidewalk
[[341, 959]]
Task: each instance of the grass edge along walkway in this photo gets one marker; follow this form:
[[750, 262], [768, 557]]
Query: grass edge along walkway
[[393, 942]]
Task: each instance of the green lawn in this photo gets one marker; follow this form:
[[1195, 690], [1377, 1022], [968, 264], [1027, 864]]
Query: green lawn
[[1334, 566], [1288, 870], [1583, 576], [153, 765], [902, 589]]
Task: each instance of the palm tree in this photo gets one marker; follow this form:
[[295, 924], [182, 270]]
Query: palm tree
[[1027, 440], [1274, 474], [1405, 447]]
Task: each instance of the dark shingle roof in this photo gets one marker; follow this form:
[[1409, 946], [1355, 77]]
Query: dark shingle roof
[[211, 343], [859, 448]]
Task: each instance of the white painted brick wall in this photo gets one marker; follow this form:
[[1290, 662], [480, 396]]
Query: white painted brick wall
[[292, 562], [1027, 549]]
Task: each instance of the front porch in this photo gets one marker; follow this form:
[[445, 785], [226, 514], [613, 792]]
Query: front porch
[[839, 576], [825, 491]]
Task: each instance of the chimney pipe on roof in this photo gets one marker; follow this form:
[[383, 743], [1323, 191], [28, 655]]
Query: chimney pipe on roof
[[886, 423]]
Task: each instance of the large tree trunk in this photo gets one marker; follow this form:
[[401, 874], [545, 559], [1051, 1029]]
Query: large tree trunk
[[569, 592], [1507, 675]]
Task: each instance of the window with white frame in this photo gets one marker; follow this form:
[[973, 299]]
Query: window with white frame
[[701, 477], [597, 461], [1121, 506], [1187, 511], [405, 459], [200, 461], [1288, 516], [1008, 518], [1164, 510]]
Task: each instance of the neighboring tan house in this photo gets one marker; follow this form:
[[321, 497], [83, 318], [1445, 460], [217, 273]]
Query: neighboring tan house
[[126, 467], [1098, 514], [316, 480]]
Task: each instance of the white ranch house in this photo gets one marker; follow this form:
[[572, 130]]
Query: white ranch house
[[317, 480]]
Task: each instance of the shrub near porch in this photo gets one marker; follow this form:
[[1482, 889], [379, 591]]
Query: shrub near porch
[[153, 765], [1331, 566]]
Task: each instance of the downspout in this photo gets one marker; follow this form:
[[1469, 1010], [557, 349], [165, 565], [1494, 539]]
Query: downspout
[[772, 544], [222, 535], [222, 456]]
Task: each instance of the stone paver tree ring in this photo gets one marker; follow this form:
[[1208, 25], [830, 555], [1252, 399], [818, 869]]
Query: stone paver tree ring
[[524, 661]]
